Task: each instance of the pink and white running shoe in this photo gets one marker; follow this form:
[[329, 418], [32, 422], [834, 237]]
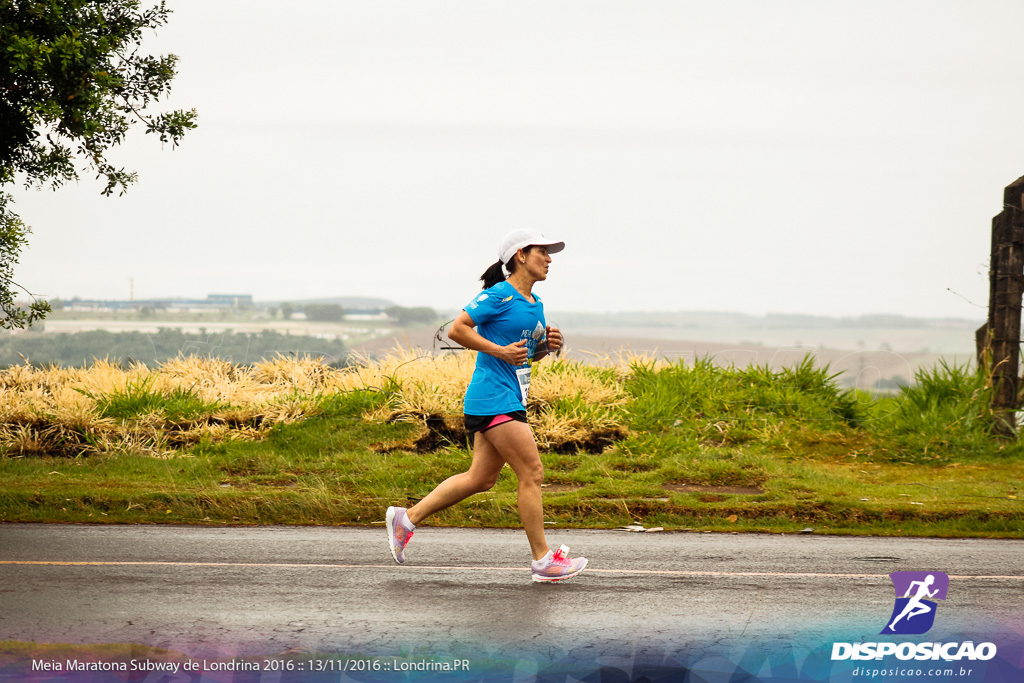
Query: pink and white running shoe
[[557, 566], [398, 535]]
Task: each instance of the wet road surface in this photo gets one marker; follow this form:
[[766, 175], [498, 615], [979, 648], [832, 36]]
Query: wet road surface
[[226, 591]]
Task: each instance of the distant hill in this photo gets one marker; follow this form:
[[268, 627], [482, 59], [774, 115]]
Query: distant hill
[[724, 320]]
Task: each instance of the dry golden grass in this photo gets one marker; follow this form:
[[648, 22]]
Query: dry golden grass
[[571, 405], [420, 385], [57, 411], [60, 411]]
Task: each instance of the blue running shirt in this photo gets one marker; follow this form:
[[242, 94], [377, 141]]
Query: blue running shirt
[[503, 316]]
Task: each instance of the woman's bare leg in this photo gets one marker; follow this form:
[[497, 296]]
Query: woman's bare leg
[[481, 476], [514, 443]]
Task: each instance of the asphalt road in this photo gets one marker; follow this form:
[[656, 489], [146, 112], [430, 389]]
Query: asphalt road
[[228, 591]]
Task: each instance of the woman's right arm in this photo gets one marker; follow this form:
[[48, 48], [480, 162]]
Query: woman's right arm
[[463, 332]]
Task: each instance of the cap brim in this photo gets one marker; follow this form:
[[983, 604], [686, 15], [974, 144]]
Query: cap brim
[[553, 246]]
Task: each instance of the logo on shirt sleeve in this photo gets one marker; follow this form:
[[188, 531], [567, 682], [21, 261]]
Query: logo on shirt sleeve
[[475, 303]]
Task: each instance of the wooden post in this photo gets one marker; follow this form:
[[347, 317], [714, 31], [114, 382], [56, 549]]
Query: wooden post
[[998, 340]]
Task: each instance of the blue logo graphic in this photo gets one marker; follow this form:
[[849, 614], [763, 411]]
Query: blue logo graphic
[[913, 613]]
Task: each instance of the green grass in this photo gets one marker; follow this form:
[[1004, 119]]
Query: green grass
[[139, 398], [808, 454], [945, 414]]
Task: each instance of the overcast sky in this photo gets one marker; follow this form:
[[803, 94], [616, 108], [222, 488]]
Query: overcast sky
[[835, 158]]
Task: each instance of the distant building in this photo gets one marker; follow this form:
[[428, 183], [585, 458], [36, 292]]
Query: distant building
[[230, 300], [212, 302], [369, 314]]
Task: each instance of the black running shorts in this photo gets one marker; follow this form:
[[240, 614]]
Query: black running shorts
[[481, 423]]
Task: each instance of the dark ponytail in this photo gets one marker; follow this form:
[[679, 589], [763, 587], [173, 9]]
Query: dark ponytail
[[496, 272], [493, 275]]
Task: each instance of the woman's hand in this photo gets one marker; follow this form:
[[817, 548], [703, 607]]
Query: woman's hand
[[462, 332], [515, 353], [554, 339]]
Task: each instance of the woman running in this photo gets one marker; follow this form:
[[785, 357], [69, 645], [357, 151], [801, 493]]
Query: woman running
[[506, 325]]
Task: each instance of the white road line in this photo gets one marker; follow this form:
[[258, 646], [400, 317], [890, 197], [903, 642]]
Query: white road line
[[652, 572]]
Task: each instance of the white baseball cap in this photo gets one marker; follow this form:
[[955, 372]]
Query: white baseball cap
[[518, 239]]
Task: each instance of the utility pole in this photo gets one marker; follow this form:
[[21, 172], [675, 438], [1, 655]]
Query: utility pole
[[998, 340]]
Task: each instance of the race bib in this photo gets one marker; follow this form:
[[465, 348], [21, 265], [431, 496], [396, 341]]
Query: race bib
[[523, 375]]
